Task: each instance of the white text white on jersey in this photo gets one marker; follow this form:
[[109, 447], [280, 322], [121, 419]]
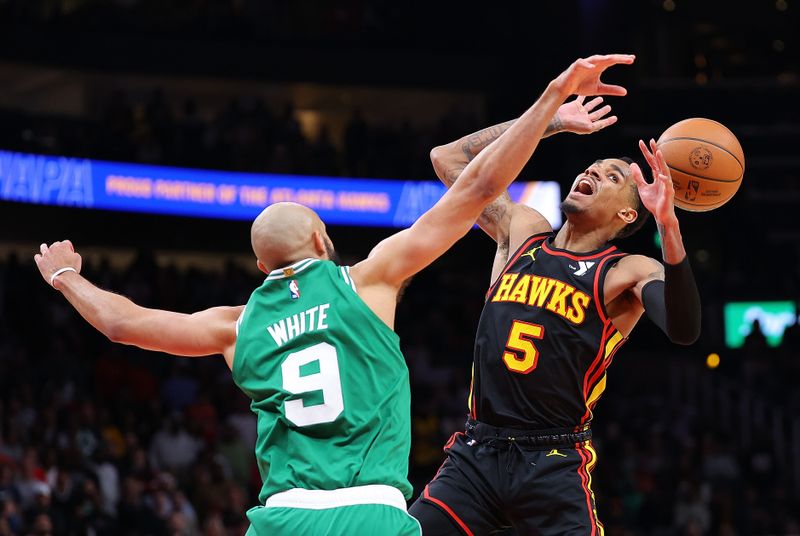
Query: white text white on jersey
[[312, 319]]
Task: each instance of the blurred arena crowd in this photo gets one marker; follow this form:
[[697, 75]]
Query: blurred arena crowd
[[247, 134]]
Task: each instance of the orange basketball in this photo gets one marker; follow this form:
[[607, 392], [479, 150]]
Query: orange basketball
[[706, 162]]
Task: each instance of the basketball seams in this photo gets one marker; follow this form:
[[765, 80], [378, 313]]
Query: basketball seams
[[699, 137], [672, 168], [700, 140]]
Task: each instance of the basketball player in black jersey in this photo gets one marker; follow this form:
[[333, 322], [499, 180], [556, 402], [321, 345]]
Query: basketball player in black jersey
[[558, 309]]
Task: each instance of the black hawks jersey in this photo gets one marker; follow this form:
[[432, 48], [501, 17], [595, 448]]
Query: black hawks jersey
[[544, 339]]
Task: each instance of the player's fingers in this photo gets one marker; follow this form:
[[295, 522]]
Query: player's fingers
[[37, 258], [662, 161], [610, 89], [69, 245], [592, 104], [670, 187], [647, 154], [598, 114], [602, 65], [661, 187], [580, 98], [638, 177], [612, 59], [654, 149], [43, 249], [603, 123], [651, 160]]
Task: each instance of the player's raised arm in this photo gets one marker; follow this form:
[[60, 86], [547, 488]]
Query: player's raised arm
[[502, 219], [449, 160], [208, 332], [484, 178], [669, 293]]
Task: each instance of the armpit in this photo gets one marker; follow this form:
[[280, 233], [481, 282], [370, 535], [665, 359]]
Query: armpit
[[625, 311], [496, 211]]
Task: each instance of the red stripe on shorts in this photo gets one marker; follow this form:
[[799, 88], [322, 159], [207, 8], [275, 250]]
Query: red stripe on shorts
[[449, 511], [584, 476]]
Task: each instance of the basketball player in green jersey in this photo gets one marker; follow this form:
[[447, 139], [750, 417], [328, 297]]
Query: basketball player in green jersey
[[314, 347]]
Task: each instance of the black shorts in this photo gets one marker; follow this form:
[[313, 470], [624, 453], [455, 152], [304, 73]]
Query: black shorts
[[497, 486]]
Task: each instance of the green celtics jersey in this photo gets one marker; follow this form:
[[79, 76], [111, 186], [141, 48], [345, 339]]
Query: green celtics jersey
[[328, 383]]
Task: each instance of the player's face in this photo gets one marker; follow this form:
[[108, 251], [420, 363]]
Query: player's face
[[603, 186]]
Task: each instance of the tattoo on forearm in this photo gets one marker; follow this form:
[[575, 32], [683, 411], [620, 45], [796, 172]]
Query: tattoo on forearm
[[555, 125], [475, 143], [451, 175], [466, 149]]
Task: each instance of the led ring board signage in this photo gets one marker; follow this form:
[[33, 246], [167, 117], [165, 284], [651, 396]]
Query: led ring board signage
[[97, 184]]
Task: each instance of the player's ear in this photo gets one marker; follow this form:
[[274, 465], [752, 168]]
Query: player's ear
[[628, 215], [261, 266], [319, 244]]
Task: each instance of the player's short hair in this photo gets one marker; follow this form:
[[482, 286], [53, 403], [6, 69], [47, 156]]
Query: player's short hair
[[637, 205]]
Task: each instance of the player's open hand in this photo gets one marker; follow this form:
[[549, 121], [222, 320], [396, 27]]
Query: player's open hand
[[583, 76], [54, 258], [579, 118], [657, 196]]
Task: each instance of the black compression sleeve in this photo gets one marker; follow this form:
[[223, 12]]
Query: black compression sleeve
[[653, 301], [674, 304]]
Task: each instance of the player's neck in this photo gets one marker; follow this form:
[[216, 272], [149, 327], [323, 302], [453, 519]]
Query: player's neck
[[574, 237], [286, 262]]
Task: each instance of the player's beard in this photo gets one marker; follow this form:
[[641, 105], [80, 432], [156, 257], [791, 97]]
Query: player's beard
[[332, 255], [568, 207]]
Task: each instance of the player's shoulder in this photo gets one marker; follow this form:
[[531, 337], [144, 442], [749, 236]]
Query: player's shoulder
[[531, 216], [525, 223], [635, 267]]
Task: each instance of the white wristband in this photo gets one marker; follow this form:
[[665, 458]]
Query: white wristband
[[59, 272]]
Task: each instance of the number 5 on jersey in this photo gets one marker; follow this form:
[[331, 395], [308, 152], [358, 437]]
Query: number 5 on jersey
[[521, 356]]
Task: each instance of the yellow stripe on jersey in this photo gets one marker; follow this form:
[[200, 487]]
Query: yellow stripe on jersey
[[612, 343], [598, 389]]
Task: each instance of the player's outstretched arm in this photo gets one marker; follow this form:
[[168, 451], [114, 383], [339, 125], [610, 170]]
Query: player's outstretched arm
[[208, 332], [504, 220], [449, 160], [669, 293], [484, 178]]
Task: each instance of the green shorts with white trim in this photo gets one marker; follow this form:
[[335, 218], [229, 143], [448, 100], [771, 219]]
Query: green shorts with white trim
[[357, 511]]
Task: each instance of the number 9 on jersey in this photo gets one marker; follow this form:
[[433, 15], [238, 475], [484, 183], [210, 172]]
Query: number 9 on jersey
[[327, 380]]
